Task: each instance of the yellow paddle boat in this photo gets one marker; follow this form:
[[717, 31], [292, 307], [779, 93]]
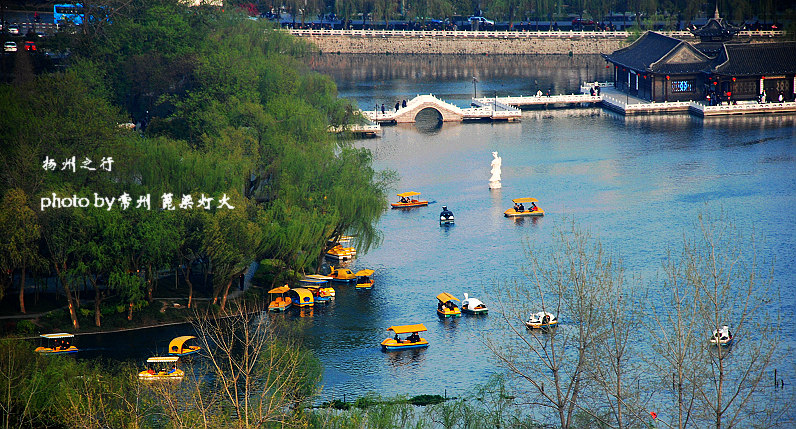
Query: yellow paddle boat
[[411, 342], [319, 287], [342, 275], [161, 368], [364, 280], [446, 307], [542, 320], [177, 346], [341, 253], [301, 297], [407, 200], [280, 302], [519, 208], [57, 344]]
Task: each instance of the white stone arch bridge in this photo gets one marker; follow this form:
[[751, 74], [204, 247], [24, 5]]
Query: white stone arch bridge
[[448, 112]]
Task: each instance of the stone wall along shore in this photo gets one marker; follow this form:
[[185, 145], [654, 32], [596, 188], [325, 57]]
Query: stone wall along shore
[[344, 44]]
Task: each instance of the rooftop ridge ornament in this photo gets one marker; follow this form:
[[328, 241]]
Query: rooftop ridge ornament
[[494, 181]]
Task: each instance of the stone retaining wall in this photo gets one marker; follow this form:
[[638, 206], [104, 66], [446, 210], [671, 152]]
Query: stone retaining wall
[[577, 44], [459, 46]]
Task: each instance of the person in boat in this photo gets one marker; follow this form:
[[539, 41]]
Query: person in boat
[[397, 339], [413, 338], [516, 207], [533, 207], [404, 200], [521, 208]]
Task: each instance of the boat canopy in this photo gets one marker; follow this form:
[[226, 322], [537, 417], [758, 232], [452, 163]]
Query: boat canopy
[[176, 344], [445, 297], [160, 359], [314, 282], [280, 289], [56, 336], [303, 294], [409, 194], [364, 273], [405, 329], [318, 277], [525, 200]]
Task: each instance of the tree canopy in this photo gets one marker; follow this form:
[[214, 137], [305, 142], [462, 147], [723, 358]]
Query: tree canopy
[[231, 160]]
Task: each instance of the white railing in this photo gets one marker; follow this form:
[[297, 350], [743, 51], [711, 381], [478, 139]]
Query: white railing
[[524, 100], [501, 34], [742, 108]]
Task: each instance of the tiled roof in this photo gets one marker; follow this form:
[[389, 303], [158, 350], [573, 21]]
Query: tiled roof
[[749, 59], [716, 27], [648, 49]]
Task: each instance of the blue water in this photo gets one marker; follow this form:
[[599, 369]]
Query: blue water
[[637, 183]]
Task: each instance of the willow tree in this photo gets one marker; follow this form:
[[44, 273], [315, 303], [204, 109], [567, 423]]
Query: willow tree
[[62, 232], [19, 236], [231, 241]]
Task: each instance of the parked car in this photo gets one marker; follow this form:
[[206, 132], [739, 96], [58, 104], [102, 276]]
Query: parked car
[[582, 22], [30, 45], [10, 47], [13, 29], [482, 22]]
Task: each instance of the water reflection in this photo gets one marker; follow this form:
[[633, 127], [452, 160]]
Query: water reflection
[[428, 121], [405, 358]]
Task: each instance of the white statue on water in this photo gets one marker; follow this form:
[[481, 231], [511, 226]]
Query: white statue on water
[[494, 181]]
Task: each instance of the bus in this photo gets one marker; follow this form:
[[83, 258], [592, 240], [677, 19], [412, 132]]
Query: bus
[[68, 13]]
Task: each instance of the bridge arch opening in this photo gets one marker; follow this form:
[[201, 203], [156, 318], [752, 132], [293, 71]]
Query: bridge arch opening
[[428, 119]]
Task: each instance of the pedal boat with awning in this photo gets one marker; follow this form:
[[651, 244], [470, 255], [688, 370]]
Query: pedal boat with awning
[[341, 253], [446, 307], [177, 346], [408, 201], [162, 368], [527, 212], [280, 302], [57, 344], [364, 279], [301, 297], [319, 287], [411, 342]]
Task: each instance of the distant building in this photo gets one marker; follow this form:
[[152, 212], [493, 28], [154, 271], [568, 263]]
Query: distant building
[[661, 68]]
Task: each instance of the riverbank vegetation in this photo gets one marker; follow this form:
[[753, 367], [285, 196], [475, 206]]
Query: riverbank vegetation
[[192, 139]]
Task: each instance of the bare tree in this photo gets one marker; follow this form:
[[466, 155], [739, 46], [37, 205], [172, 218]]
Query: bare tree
[[567, 280], [261, 376], [719, 281]]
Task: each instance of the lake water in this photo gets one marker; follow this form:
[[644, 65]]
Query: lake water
[[635, 182]]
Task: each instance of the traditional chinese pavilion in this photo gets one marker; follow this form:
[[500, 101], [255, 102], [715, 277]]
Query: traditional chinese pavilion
[[660, 68]]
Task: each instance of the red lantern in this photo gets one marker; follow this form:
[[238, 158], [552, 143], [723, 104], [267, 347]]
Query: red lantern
[[607, 66], [654, 415], [763, 78], [667, 77], [733, 79]]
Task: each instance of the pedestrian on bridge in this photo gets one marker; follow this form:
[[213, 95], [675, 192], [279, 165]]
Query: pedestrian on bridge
[[382, 108], [397, 105]]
